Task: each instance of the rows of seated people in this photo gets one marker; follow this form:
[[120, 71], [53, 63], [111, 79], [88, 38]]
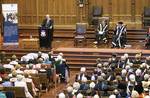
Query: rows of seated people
[[30, 68], [118, 78]]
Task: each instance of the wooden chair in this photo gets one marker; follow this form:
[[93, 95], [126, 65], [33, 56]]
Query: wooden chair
[[44, 81], [79, 36], [29, 85], [19, 91], [96, 13], [10, 94], [30, 88], [146, 17], [36, 81]]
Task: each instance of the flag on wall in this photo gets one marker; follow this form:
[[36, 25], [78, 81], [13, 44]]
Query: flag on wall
[[10, 24]]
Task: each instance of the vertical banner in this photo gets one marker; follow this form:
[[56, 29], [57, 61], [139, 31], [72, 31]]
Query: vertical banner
[[10, 24]]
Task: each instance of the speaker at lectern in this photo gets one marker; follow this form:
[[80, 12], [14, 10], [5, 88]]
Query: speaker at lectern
[[46, 33]]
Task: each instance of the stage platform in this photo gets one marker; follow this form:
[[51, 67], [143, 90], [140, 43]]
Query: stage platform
[[80, 55]]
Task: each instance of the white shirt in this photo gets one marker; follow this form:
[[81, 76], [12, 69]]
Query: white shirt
[[33, 55], [45, 56], [8, 66], [13, 63], [26, 58]]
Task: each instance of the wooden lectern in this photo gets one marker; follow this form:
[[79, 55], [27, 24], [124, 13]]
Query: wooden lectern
[[45, 37]]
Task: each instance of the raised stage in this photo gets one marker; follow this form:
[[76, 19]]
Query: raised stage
[[80, 55]]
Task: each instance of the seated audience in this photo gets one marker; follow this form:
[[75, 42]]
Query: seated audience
[[84, 85], [29, 69]]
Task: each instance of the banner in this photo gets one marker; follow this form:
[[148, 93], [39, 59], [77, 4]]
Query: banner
[[10, 25]]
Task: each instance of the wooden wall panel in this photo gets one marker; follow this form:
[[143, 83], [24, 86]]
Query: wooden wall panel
[[67, 12], [0, 20]]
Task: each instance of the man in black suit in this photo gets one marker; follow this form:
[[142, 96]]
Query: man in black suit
[[47, 22], [46, 32]]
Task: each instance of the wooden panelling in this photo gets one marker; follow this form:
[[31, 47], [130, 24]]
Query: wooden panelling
[[67, 12]]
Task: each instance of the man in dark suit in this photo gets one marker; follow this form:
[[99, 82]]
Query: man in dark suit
[[47, 22], [46, 33]]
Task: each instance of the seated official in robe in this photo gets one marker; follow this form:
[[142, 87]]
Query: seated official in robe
[[101, 32], [119, 36]]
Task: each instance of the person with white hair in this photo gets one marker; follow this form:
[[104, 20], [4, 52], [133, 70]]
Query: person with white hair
[[63, 71], [76, 87], [94, 77], [81, 75], [138, 74], [79, 95], [124, 75], [112, 96], [131, 84], [91, 91], [47, 22], [96, 96], [127, 58], [128, 67], [98, 69], [145, 82], [59, 59], [134, 94], [69, 92], [61, 95], [122, 62], [117, 93], [46, 36]]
